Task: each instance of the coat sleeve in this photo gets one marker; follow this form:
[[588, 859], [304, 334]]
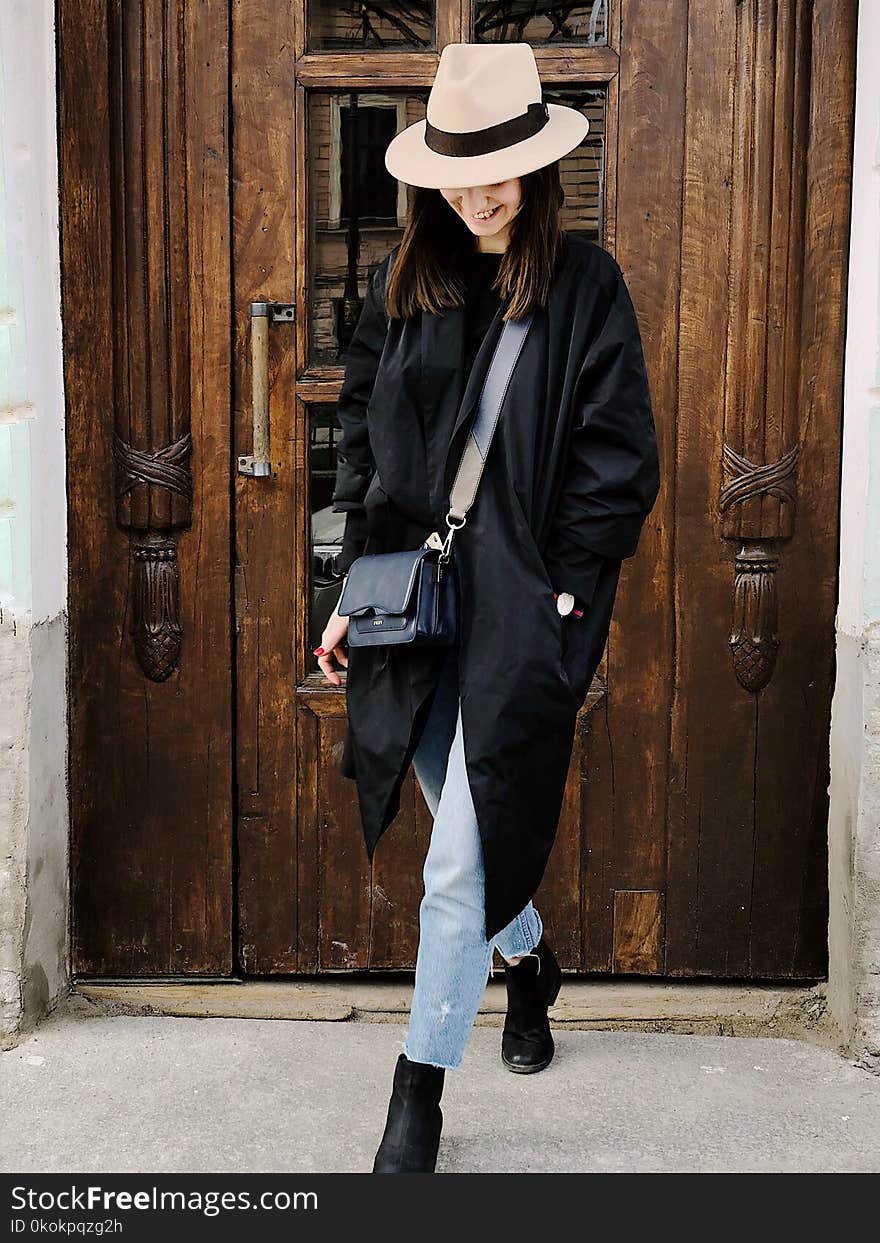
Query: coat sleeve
[[355, 465], [612, 474]]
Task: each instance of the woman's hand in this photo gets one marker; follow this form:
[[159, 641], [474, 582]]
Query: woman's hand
[[332, 645]]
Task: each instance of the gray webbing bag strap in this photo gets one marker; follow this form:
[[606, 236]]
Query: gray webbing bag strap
[[473, 459]]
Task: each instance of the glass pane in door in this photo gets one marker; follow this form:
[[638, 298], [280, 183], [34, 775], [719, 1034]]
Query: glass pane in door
[[584, 22], [326, 526], [358, 210], [582, 172], [346, 24]]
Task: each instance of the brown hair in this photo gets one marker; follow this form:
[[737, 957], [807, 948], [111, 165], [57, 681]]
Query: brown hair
[[428, 273]]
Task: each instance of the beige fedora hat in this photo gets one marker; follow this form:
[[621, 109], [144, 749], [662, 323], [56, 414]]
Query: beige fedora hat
[[486, 121]]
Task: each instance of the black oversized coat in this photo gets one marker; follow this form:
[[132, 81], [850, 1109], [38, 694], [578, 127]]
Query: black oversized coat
[[571, 475]]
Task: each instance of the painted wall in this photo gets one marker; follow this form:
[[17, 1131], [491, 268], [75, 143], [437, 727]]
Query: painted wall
[[33, 541], [854, 828]]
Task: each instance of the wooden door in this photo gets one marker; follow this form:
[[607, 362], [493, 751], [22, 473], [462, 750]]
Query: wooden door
[[227, 196]]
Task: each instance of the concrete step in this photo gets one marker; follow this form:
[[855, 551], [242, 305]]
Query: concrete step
[[640, 1005]]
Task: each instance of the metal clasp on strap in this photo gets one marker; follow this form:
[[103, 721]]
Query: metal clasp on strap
[[441, 545], [453, 527]]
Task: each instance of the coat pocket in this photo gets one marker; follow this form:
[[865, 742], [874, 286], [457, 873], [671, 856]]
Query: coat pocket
[[556, 625]]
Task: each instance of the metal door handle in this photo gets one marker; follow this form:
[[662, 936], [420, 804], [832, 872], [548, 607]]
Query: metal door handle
[[263, 314]]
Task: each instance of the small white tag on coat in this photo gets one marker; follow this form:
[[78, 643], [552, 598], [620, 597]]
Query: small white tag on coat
[[434, 541]]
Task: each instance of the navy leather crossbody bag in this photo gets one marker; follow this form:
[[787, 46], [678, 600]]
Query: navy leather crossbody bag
[[411, 596]]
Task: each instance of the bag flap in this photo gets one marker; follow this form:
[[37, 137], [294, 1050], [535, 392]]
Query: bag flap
[[381, 582]]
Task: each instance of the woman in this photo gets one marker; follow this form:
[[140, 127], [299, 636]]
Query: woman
[[570, 477]]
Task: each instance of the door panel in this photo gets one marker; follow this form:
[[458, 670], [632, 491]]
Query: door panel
[[268, 516], [675, 854], [347, 104], [758, 467], [144, 122]]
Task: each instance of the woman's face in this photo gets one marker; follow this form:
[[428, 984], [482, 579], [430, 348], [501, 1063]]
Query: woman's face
[[487, 210]]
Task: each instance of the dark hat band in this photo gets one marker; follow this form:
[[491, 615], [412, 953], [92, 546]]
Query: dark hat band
[[493, 138]]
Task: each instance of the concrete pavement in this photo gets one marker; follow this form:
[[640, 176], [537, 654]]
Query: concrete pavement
[[99, 1093]]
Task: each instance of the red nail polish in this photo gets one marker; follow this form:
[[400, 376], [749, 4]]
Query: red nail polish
[[318, 651]]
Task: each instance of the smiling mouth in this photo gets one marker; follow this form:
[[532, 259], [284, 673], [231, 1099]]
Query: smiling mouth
[[482, 219]]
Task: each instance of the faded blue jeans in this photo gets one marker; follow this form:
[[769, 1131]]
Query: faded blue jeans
[[454, 956]]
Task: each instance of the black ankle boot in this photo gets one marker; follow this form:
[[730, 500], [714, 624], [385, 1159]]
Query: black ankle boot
[[412, 1129], [532, 987]]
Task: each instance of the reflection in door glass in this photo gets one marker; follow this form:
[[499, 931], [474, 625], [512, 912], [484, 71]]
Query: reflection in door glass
[[327, 527], [358, 210], [583, 171], [345, 24], [531, 21]]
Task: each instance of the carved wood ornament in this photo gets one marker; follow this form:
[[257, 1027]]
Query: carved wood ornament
[[762, 415], [152, 441]]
